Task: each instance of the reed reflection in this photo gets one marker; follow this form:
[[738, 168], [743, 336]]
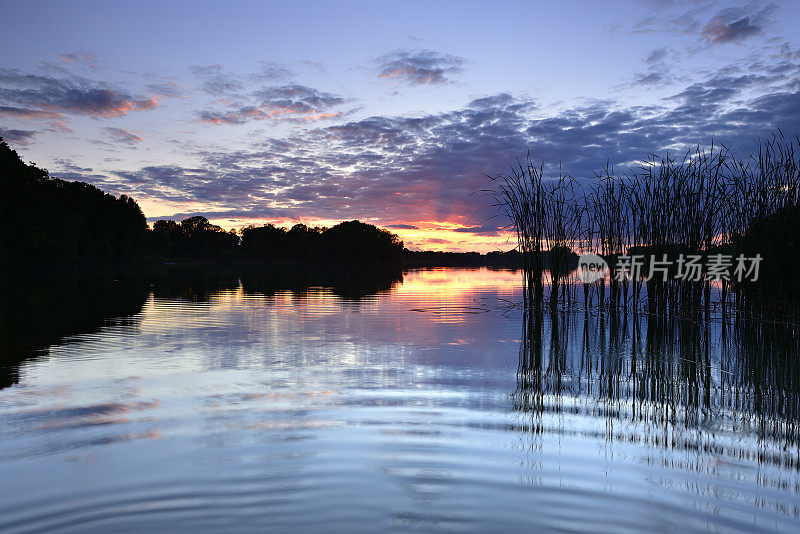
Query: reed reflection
[[729, 387]]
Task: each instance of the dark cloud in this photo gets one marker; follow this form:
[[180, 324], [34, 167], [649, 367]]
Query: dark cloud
[[210, 214], [705, 94], [672, 17], [67, 165], [659, 70], [733, 24], [38, 94], [27, 113], [402, 227], [293, 102], [316, 65], [424, 167], [417, 67], [169, 89], [206, 70], [651, 78], [239, 116], [16, 137], [787, 52], [698, 18], [487, 230], [82, 58], [656, 56], [298, 99], [272, 71], [216, 81], [122, 136]]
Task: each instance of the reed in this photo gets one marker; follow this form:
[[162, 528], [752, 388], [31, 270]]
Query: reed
[[703, 203], [547, 219]]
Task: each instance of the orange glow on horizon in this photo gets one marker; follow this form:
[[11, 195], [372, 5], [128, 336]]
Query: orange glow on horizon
[[425, 235], [433, 235]]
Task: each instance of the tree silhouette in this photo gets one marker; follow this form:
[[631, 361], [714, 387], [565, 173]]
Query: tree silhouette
[[47, 220], [264, 242], [193, 238], [354, 242], [347, 243]]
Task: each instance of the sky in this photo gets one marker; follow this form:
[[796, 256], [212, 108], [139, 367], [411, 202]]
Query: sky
[[392, 113]]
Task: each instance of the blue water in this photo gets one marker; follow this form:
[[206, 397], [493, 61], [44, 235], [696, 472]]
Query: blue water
[[412, 406]]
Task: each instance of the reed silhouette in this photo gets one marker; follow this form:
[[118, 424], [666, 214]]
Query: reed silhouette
[[704, 204], [665, 382], [672, 363]]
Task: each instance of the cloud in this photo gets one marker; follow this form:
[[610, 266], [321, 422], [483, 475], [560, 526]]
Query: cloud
[[272, 71], [206, 70], [298, 99], [406, 170], [125, 137], [17, 137], [402, 227], [698, 19], [215, 81], [672, 17], [490, 230], [419, 67], [656, 56], [423, 167], [651, 78], [82, 58], [731, 25], [166, 89], [218, 82], [57, 120], [659, 72], [315, 65], [296, 103], [27, 113], [38, 94]]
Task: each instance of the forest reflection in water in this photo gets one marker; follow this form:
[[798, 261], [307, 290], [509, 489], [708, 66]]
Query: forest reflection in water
[[38, 311]]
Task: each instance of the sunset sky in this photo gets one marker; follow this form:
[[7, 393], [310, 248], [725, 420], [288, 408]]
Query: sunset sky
[[387, 112]]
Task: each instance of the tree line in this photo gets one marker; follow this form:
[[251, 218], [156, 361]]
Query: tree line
[[45, 219], [349, 242], [49, 221]]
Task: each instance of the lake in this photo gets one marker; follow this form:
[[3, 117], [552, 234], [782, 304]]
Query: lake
[[429, 400]]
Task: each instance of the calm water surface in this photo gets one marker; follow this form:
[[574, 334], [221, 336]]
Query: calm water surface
[[234, 405]]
